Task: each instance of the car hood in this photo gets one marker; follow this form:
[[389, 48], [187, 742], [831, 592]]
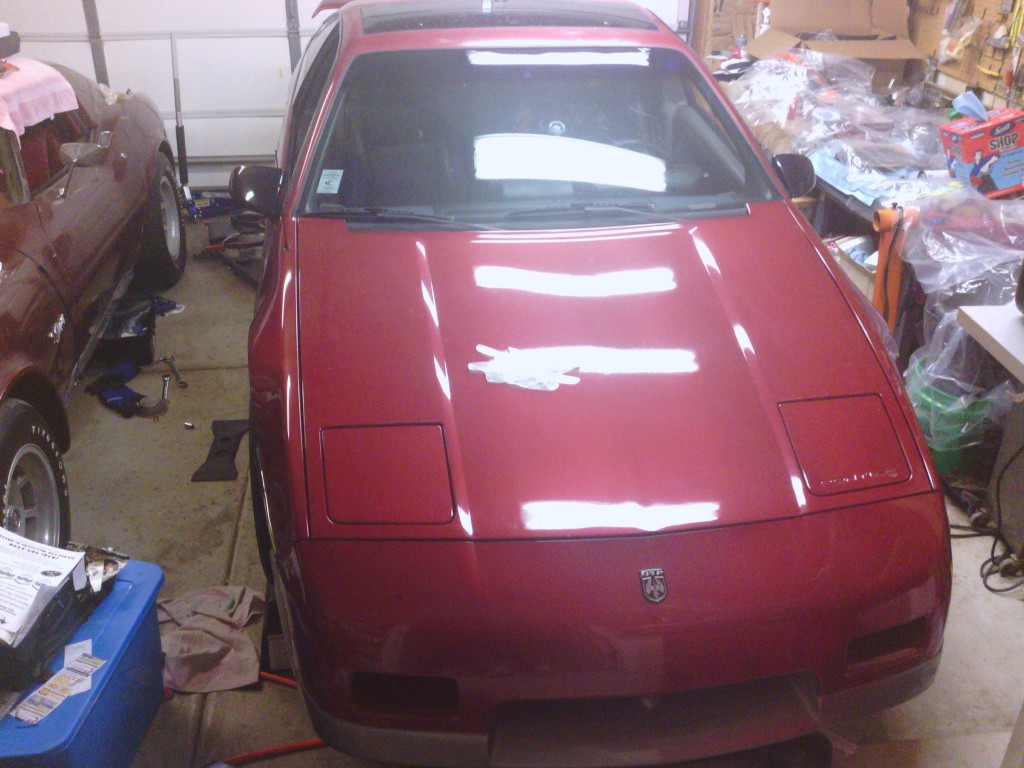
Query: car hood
[[587, 382]]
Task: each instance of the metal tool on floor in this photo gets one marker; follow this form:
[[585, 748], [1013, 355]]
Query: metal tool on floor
[[155, 408], [168, 360]]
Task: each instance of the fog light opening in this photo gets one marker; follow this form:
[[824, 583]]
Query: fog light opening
[[406, 695], [889, 645]]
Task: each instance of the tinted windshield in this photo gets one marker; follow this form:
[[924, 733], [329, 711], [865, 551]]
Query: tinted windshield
[[529, 139]]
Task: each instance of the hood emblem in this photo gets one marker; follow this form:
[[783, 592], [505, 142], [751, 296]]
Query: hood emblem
[[652, 581]]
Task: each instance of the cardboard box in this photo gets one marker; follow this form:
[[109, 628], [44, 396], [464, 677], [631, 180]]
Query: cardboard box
[[862, 276], [876, 31], [990, 155]]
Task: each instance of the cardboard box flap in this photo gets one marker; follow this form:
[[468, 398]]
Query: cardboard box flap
[[852, 17], [886, 49], [891, 16], [771, 42]]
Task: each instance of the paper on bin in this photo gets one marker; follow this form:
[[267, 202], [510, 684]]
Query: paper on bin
[[30, 575], [50, 695]]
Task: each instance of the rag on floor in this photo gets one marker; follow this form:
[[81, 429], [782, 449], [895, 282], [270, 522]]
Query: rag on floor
[[204, 641]]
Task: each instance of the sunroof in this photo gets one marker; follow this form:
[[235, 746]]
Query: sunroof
[[398, 17]]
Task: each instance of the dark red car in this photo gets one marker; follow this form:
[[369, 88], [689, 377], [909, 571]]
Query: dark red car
[[572, 445], [88, 202]]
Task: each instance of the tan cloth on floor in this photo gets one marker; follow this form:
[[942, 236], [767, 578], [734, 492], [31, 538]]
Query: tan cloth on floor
[[204, 641]]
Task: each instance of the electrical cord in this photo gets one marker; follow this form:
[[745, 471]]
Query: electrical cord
[[996, 562], [896, 232], [264, 754]]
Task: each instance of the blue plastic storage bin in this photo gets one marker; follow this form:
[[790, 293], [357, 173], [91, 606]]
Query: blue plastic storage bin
[[103, 726]]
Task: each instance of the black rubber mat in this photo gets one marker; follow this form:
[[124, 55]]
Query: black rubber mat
[[220, 462]]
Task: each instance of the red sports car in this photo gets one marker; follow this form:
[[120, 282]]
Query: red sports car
[[572, 445], [88, 200]]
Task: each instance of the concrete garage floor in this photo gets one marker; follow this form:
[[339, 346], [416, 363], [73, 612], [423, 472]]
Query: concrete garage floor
[[131, 489]]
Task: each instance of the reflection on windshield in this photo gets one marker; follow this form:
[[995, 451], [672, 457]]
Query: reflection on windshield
[[535, 157], [620, 134]]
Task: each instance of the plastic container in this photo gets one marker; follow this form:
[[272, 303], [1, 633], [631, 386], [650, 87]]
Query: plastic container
[[103, 726], [956, 430]]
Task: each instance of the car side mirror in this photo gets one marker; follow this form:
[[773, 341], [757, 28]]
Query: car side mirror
[[81, 153], [796, 172], [258, 188]]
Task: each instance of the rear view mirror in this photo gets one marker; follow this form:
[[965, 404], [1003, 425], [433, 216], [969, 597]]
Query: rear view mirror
[[257, 187], [796, 173]]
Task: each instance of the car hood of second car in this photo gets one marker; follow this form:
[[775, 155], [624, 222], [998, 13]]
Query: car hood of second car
[[588, 382]]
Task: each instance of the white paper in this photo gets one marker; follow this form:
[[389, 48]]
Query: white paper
[[330, 181], [71, 652], [30, 575]]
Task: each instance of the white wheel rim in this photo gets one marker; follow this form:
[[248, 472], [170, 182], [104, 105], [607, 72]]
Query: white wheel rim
[[31, 503], [169, 217]]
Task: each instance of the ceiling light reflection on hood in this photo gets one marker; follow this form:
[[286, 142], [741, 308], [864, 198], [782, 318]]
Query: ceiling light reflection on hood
[[625, 283], [582, 515]]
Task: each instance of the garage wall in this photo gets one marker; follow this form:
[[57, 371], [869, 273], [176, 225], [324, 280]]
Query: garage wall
[[232, 57]]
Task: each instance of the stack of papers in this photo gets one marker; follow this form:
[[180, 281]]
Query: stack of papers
[[30, 575]]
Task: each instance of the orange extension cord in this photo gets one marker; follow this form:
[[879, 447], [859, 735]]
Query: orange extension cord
[[284, 749]]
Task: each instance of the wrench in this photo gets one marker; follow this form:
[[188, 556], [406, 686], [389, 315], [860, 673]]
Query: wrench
[[169, 360]]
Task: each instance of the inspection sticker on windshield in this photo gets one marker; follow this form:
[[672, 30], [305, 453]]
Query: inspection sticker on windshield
[[330, 181]]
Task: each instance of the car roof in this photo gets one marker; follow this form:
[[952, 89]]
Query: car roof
[[408, 15]]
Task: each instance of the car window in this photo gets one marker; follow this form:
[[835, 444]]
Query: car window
[[530, 139], [40, 148], [310, 78], [13, 189]]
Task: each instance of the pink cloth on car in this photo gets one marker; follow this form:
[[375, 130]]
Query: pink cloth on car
[[32, 93]]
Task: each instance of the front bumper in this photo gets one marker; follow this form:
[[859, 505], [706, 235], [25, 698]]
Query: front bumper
[[606, 733], [554, 656]]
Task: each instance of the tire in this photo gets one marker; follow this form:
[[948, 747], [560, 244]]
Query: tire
[[264, 544], [34, 499], [164, 251]]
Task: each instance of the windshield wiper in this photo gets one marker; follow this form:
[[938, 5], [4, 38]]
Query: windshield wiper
[[642, 209], [386, 215], [646, 210]]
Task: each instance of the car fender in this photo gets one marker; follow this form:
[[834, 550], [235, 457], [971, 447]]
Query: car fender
[[20, 378]]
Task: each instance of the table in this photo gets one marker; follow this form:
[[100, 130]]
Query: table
[[1000, 330]]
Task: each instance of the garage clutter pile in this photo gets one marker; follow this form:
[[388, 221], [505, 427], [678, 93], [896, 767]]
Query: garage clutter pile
[[966, 251], [823, 106]]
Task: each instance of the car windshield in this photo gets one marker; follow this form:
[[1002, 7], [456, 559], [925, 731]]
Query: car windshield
[[529, 139]]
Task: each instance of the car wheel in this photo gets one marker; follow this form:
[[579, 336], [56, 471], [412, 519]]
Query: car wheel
[[164, 251], [34, 490], [259, 510]]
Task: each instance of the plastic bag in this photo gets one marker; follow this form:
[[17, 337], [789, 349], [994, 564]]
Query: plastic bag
[[955, 413], [961, 235]]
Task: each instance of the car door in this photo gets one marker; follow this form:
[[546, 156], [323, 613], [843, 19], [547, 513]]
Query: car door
[[86, 214], [33, 312]]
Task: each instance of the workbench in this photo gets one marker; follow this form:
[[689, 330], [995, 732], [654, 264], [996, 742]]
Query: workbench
[[1000, 330]]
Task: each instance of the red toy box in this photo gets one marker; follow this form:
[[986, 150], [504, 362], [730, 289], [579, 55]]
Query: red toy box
[[989, 156]]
